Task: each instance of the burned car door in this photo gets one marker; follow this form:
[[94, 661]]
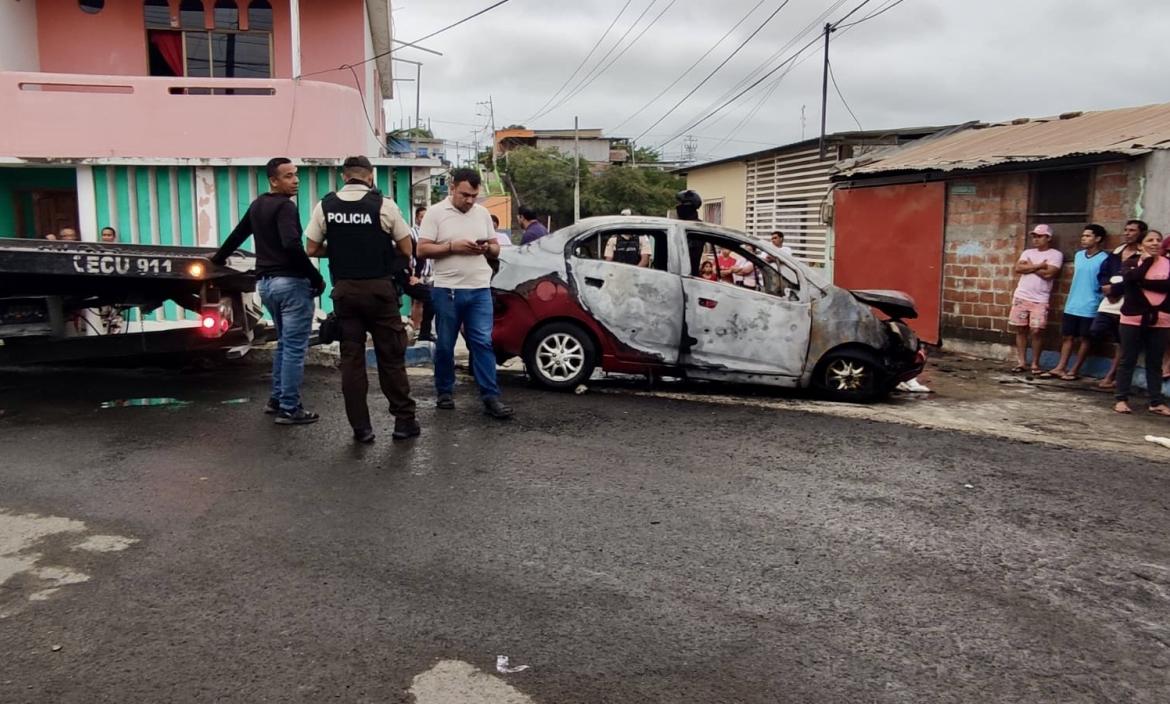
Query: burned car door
[[622, 279], [735, 332]]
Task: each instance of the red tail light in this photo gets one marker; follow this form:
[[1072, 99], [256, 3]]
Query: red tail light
[[215, 321]]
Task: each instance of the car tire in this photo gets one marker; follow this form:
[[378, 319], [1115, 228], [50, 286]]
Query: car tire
[[560, 356], [851, 375]]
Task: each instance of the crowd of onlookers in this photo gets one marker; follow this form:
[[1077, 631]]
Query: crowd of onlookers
[[1120, 296]]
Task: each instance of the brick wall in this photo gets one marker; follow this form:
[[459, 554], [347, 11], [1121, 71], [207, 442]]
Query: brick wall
[[986, 229]]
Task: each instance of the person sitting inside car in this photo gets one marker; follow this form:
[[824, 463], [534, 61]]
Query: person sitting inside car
[[628, 248], [707, 270]]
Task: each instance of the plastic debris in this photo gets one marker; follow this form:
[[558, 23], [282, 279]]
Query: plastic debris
[[56, 648], [1158, 440], [968, 486], [141, 402], [504, 666], [581, 388]]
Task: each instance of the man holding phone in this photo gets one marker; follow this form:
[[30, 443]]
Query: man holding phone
[[457, 234]]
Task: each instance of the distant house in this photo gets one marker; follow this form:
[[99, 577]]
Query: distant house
[[784, 188], [945, 218], [600, 151]]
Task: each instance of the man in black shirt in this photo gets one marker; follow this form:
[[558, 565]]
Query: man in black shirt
[[288, 283]]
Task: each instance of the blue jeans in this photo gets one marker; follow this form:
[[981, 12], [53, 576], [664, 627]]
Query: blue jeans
[[470, 309], [290, 302]]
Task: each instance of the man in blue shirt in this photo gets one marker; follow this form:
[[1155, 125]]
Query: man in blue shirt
[[1084, 296], [533, 228]]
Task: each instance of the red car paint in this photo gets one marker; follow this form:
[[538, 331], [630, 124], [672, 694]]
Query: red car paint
[[546, 300]]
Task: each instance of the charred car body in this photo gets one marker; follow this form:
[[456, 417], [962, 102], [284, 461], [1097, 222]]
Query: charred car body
[[565, 309]]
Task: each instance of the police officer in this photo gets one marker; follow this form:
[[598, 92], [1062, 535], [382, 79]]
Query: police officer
[[368, 245]]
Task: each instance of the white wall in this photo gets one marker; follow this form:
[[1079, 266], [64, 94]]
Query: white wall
[[18, 36], [595, 150], [1156, 190]]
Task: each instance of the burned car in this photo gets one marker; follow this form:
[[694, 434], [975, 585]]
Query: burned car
[[626, 294]]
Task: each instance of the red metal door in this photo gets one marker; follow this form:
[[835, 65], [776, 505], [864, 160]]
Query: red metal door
[[892, 237]]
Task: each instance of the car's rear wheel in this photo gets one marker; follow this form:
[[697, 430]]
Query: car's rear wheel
[[560, 356], [851, 375]]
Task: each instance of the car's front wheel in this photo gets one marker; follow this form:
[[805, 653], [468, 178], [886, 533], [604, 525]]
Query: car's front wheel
[[560, 356], [851, 375]]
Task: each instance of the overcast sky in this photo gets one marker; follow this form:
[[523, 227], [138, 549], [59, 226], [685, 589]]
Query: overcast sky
[[924, 62]]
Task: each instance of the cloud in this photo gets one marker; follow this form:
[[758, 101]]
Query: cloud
[[925, 62]]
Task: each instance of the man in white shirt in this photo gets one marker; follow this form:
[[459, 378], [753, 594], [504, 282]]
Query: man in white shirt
[[457, 234]]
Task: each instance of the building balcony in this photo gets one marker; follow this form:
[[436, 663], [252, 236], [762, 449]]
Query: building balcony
[[55, 116]]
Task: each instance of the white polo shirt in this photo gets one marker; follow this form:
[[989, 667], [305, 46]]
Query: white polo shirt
[[444, 223]]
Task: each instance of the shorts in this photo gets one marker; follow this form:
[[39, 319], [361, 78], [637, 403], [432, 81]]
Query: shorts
[[1076, 325], [1106, 327], [1025, 314]]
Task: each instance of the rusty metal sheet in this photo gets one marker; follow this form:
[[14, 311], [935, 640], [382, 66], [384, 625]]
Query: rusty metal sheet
[[1127, 131]]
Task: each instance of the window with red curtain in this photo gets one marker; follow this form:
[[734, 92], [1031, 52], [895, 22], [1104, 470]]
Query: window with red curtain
[[179, 45]]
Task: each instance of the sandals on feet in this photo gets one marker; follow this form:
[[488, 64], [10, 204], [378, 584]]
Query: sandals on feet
[[1161, 410], [1122, 407], [1069, 377]]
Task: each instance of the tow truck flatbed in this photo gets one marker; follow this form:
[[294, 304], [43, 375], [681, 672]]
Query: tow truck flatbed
[[44, 284]]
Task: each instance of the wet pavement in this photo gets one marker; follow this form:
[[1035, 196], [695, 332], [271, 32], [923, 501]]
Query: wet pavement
[[675, 543]]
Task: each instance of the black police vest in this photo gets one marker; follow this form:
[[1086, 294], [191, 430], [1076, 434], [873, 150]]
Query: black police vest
[[358, 247], [627, 250]]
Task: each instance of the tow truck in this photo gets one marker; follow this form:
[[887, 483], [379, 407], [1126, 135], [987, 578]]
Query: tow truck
[[49, 289]]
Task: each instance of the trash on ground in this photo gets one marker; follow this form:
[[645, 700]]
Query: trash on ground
[[504, 666], [581, 388], [56, 648], [1158, 440], [968, 486], [143, 402], [235, 402]]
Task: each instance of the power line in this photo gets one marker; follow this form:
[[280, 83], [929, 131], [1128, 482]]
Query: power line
[[716, 69], [601, 60], [691, 67], [366, 111], [842, 97], [583, 61], [875, 13], [621, 53], [421, 39], [766, 75]]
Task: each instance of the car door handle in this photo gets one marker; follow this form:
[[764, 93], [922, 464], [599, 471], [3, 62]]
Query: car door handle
[[708, 302], [595, 283]]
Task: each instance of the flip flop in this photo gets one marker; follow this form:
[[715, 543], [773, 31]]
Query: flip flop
[[1069, 377], [1017, 369], [1037, 371], [1045, 375], [1160, 411], [1106, 385], [1126, 411]]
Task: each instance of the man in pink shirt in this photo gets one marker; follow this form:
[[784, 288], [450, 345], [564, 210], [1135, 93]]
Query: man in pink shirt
[[1038, 268]]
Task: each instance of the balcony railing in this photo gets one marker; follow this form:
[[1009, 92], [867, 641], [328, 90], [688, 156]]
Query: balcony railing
[[74, 116]]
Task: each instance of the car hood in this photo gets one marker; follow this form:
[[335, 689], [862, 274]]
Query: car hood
[[895, 304]]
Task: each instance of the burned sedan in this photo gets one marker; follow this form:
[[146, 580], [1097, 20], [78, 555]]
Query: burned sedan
[[635, 295]]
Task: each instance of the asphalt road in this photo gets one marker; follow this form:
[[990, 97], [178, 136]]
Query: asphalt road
[[626, 548]]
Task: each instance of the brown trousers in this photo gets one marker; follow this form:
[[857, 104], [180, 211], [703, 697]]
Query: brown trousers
[[371, 305]]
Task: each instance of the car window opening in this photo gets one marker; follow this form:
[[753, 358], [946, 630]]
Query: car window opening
[[631, 247], [734, 263]]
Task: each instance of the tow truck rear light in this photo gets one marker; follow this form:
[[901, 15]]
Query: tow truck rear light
[[215, 320]]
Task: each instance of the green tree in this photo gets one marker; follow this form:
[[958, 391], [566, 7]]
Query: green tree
[[643, 191], [646, 155], [543, 181]]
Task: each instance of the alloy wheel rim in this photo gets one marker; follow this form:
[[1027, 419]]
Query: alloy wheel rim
[[846, 375], [560, 357]]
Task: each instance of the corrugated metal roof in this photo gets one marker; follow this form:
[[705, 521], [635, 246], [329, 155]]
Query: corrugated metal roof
[[1127, 131]]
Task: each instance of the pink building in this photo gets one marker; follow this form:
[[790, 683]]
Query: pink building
[[156, 117]]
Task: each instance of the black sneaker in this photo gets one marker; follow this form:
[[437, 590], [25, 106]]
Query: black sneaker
[[495, 408], [272, 407], [445, 401], [297, 417], [425, 337], [364, 436], [405, 429]]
